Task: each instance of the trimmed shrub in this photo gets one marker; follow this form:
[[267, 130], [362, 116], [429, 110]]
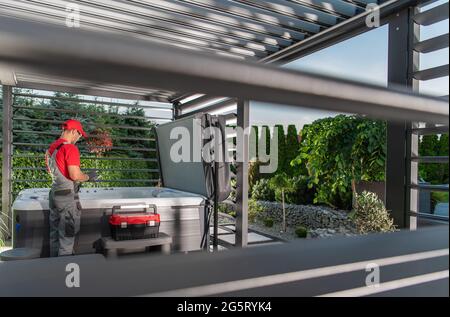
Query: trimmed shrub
[[301, 232], [370, 214], [262, 191], [268, 222]]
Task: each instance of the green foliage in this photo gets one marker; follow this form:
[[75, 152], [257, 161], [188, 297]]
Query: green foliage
[[108, 170], [302, 194], [254, 174], [254, 209], [301, 232], [431, 145], [226, 209], [338, 150], [280, 183], [94, 114], [370, 214], [438, 197], [268, 222], [262, 191]]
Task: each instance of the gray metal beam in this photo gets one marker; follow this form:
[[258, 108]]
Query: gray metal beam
[[433, 15], [6, 160], [38, 48], [243, 122], [433, 44], [432, 73], [396, 136]]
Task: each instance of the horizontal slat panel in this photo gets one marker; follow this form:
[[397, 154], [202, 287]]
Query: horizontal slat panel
[[56, 133], [96, 125], [99, 181], [432, 73], [336, 7], [107, 158], [433, 44], [94, 102], [281, 7], [86, 112], [431, 130], [144, 170], [433, 15], [104, 24], [94, 147], [430, 159], [430, 187], [246, 22], [256, 14], [428, 216]]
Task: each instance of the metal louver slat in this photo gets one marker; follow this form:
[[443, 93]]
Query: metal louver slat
[[433, 44], [433, 15], [432, 73]]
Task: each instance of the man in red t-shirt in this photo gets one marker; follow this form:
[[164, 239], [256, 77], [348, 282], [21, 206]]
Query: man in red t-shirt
[[63, 163]]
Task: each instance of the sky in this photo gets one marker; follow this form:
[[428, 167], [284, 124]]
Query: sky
[[362, 58]]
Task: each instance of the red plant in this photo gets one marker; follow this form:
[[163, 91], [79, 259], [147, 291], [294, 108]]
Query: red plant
[[99, 141]]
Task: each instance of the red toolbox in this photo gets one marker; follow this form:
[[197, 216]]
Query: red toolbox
[[128, 224]]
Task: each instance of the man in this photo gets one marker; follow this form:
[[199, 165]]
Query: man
[[63, 163]]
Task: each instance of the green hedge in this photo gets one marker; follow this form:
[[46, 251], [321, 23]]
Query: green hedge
[[113, 174]]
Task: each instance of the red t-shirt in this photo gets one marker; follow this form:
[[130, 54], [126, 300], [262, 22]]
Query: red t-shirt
[[68, 154]]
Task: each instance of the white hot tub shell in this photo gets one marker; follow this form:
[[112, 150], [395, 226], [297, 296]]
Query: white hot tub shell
[[182, 216]]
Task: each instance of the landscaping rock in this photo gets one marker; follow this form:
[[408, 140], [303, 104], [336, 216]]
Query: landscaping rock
[[315, 218]]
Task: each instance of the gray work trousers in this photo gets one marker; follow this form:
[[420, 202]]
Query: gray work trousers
[[64, 221]]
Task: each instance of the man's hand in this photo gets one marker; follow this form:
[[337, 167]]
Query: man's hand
[[93, 177]]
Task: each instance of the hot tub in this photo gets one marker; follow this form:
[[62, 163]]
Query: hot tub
[[182, 216]]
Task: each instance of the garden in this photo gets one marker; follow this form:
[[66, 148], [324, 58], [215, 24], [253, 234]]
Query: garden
[[326, 174]]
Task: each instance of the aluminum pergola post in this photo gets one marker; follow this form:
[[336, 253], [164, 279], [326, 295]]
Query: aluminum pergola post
[[243, 122], [6, 157], [399, 58]]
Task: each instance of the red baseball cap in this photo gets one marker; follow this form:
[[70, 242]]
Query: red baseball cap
[[74, 124]]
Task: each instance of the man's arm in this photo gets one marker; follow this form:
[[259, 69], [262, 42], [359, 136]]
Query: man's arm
[[76, 174]]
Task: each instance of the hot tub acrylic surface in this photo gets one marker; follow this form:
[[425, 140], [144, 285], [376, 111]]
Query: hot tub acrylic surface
[[182, 215]]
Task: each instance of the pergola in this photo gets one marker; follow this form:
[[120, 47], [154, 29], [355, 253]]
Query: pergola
[[208, 55]]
